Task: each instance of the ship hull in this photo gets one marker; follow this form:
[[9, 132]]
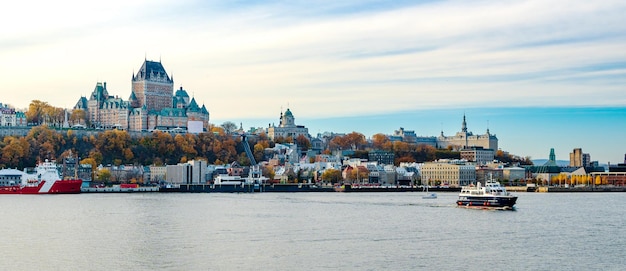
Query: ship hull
[[58, 187], [487, 201]]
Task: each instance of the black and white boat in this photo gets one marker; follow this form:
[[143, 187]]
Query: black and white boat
[[492, 195]]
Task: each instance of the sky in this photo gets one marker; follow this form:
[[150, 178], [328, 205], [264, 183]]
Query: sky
[[520, 68]]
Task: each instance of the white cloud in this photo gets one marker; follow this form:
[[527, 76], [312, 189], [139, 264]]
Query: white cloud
[[452, 53]]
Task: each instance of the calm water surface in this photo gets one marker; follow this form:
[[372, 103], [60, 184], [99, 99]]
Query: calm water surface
[[310, 231]]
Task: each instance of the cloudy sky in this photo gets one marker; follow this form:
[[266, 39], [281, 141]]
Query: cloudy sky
[[323, 59]]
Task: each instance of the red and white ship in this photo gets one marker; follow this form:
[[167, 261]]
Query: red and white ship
[[46, 180]]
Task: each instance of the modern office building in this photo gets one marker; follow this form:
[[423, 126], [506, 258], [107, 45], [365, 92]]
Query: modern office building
[[579, 159]]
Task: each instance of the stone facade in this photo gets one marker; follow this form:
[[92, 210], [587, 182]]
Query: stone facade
[[10, 117], [445, 172], [151, 105], [460, 140], [152, 86], [579, 159], [287, 128], [465, 139], [479, 155]]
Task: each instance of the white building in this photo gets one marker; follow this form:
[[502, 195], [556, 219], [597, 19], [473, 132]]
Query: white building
[[287, 128], [157, 173], [192, 172]]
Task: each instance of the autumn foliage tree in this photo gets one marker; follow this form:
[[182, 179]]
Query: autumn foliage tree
[[332, 175]]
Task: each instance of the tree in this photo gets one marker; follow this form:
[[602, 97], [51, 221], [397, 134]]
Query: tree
[[36, 111], [89, 161], [332, 175], [303, 142], [103, 175], [268, 172], [355, 140], [229, 127], [78, 116], [379, 140], [15, 152], [259, 149]]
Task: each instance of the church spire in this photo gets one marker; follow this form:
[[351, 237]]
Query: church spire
[[464, 127]]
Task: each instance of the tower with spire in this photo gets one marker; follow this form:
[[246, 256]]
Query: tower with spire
[[466, 139], [151, 104], [287, 127]]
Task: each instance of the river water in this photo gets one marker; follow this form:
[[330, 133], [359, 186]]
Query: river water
[[310, 231]]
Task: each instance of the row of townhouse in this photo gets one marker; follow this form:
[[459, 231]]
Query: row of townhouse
[[9, 117]]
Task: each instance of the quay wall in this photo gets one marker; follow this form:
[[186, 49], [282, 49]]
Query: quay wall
[[23, 131]]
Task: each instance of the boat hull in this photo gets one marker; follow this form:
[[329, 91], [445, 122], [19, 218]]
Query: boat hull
[[487, 201], [58, 187]]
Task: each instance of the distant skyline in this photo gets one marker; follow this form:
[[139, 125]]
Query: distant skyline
[[522, 131], [356, 63]]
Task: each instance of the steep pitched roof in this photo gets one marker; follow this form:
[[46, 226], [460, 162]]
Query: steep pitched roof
[[181, 93], [204, 111], [81, 104], [151, 70], [193, 106], [99, 92]]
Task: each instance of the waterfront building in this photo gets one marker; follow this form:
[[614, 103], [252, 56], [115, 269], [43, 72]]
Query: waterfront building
[[579, 159], [514, 174], [287, 128], [405, 176], [479, 155], [157, 173], [192, 172], [10, 177], [484, 173], [446, 172], [152, 105]]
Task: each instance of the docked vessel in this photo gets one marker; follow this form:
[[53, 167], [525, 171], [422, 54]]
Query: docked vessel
[[492, 195], [45, 180]]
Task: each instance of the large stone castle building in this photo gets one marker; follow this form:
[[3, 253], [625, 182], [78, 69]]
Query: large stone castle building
[[461, 140], [152, 104], [465, 139]]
